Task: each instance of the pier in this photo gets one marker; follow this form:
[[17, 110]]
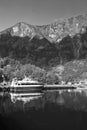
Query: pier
[[41, 88]]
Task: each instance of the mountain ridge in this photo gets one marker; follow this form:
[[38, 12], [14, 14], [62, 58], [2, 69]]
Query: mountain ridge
[[53, 32]]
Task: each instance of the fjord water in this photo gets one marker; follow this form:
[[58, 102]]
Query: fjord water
[[54, 110]]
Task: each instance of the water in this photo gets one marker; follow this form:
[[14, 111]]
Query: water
[[53, 110]]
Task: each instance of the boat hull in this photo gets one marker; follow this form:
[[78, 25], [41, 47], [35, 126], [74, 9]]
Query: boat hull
[[26, 89], [31, 85]]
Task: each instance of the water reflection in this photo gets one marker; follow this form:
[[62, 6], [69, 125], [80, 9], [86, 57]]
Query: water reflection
[[25, 97], [60, 100], [72, 99]]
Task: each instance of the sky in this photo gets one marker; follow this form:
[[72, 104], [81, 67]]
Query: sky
[[38, 12]]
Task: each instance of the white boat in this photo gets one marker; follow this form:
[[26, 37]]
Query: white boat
[[27, 85], [26, 82]]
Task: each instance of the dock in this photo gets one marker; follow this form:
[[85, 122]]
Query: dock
[[54, 86], [45, 87]]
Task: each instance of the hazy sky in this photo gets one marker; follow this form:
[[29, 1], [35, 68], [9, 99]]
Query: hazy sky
[[38, 11]]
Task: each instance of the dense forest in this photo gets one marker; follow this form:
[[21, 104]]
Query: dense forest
[[39, 58]]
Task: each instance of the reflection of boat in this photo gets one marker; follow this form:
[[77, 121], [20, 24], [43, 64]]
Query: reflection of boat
[[26, 85], [25, 97]]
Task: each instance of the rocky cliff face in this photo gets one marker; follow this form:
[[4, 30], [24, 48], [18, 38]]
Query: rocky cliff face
[[53, 32], [59, 29], [58, 42]]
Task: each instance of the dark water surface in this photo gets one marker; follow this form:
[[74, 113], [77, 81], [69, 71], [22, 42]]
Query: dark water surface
[[54, 111]]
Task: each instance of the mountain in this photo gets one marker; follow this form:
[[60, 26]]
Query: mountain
[[46, 46], [64, 39], [53, 32]]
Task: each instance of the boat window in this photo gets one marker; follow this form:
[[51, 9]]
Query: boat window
[[18, 84], [28, 83]]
